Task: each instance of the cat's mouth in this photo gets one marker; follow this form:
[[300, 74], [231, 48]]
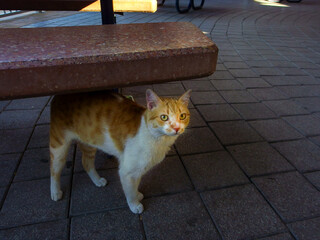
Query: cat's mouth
[[175, 132]]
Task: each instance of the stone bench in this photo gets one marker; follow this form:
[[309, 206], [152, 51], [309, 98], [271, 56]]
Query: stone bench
[[48, 61]]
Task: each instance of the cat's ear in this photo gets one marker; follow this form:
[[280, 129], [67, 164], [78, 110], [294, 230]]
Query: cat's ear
[[185, 97], [152, 99]]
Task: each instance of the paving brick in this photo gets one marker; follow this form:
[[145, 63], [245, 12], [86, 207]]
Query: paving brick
[[287, 64], [86, 197], [238, 96], [285, 107], [2, 192], [306, 124], [247, 51], [14, 140], [291, 195], [315, 140], [235, 132], [275, 130], [229, 52], [28, 103], [310, 103], [281, 236], [221, 75], [136, 91], [182, 216], [274, 57], [29, 202], [253, 63], [226, 84], [197, 140], [301, 91], [267, 94], [253, 82], [102, 161], [35, 164], [3, 104], [40, 137], [267, 71], [231, 59], [316, 115], [220, 67], [303, 154], [252, 57], [239, 216], [198, 85], [167, 177], [314, 178], [165, 89], [213, 170], [206, 98], [142, 101], [281, 80], [44, 116], [305, 64], [238, 73], [231, 65], [18, 119], [116, 224], [307, 229], [254, 111], [293, 71], [218, 112], [49, 231], [196, 120], [8, 164], [259, 158], [313, 72]]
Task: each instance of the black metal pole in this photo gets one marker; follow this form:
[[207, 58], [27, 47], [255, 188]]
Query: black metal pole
[[107, 14]]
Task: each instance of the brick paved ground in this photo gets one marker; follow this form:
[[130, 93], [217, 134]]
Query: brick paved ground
[[248, 167]]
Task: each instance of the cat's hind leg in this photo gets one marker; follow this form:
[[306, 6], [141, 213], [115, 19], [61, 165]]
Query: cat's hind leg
[[88, 156], [58, 154]]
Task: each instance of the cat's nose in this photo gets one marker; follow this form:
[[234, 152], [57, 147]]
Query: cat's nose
[[176, 129]]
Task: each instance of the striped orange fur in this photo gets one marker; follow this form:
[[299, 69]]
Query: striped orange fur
[[138, 136]]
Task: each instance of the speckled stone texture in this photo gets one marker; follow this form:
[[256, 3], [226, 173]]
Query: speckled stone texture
[[291, 194], [87, 198], [259, 159], [43, 61], [237, 212], [49, 231], [116, 224], [307, 229], [213, 170], [168, 177], [186, 218], [29, 202]]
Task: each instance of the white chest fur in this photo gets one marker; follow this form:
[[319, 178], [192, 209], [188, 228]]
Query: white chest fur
[[144, 150]]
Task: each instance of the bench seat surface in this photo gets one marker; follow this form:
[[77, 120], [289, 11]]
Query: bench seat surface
[[47, 61]]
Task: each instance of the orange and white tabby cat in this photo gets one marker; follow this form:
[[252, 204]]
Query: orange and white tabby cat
[[139, 137]]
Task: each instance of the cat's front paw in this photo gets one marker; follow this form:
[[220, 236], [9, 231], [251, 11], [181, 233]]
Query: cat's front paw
[[140, 196], [136, 208], [56, 195], [101, 182]]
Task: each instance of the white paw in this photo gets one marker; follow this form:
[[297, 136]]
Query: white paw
[[140, 196], [136, 207], [101, 182], [55, 196]]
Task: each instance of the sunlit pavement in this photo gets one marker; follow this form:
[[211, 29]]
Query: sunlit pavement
[[247, 168]]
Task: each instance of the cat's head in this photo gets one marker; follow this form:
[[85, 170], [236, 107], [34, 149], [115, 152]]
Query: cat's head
[[167, 116]]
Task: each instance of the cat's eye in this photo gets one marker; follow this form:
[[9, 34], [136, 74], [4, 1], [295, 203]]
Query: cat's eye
[[164, 117], [183, 116]]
